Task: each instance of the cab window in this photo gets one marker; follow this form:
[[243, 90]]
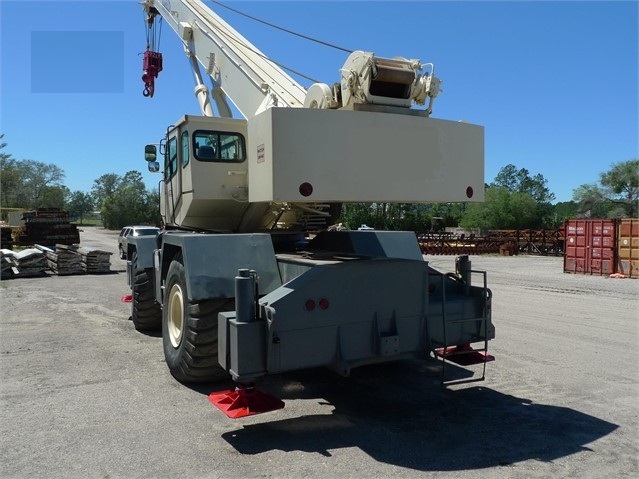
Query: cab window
[[219, 146], [184, 140], [170, 159]]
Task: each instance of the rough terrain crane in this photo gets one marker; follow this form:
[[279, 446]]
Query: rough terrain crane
[[235, 283]]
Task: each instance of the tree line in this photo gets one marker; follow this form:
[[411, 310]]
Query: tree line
[[118, 200], [515, 199]]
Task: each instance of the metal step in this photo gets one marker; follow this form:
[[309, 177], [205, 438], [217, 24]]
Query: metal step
[[464, 355]]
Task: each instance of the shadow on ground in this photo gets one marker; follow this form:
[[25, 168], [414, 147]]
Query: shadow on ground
[[399, 414]]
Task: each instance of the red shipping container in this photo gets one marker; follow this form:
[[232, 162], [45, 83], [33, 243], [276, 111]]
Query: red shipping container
[[590, 246], [628, 247]]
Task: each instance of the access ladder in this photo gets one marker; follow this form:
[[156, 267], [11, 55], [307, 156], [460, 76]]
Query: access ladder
[[464, 354]]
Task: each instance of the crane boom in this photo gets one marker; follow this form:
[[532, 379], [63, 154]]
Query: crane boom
[[238, 69]]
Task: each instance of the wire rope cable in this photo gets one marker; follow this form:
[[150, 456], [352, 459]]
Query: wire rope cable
[[306, 37], [286, 30]]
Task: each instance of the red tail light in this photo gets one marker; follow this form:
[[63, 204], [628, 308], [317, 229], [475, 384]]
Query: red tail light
[[306, 189], [310, 304]]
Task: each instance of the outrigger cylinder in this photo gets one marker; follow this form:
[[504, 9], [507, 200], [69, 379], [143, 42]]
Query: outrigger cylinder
[[245, 295]]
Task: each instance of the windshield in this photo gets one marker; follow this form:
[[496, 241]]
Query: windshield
[[219, 146]]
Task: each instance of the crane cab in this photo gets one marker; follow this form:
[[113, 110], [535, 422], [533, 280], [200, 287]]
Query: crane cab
[[204, 171]]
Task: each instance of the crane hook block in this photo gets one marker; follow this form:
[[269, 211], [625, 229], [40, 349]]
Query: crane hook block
[[152, 66]]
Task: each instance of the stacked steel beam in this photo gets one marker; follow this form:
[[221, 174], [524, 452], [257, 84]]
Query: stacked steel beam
[[92, 260], [23, 264], [73, 259], [47, 227], [6, 238], [62, 261]]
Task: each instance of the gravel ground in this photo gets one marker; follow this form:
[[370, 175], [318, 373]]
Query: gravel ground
[[82, 394]]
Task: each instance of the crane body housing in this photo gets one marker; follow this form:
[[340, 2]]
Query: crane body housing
[[363, 156]]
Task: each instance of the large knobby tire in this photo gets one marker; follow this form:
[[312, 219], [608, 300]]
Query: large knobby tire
[[189, 331], [146, 313]]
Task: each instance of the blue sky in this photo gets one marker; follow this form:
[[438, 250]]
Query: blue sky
[[555, 84]]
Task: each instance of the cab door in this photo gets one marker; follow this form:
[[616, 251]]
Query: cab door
[[172, 177]]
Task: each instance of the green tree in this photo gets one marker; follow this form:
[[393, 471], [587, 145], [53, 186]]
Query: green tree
[[36, 178], [105, 187], [450, 213], [29, 183], [11, 180], [616, 195], [561, 212], [520, 181], [126, 201], [412, 216], [153, 207], [54, 197], [9, 177], [503, 209], [591, 201], [80, 204], [387, 216], [356, 214], [514, 200], [621, 185]]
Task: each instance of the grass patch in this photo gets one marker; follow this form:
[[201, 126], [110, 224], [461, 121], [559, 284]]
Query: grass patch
[[87, 222]]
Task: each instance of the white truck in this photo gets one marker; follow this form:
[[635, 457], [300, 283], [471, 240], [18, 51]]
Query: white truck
[[235, 282]]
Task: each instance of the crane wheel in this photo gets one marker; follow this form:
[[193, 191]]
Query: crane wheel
[[145, 312], [189, 331]]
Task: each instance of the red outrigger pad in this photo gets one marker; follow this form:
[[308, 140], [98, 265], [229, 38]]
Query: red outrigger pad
[[244, 401]]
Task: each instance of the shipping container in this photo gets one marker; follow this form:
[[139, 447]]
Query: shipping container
[[591, 246], [628, 247]]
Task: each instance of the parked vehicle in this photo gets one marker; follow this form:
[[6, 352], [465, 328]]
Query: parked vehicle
[[133, 231]]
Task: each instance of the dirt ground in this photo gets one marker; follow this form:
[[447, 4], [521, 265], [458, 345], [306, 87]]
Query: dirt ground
[[82, 394]]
